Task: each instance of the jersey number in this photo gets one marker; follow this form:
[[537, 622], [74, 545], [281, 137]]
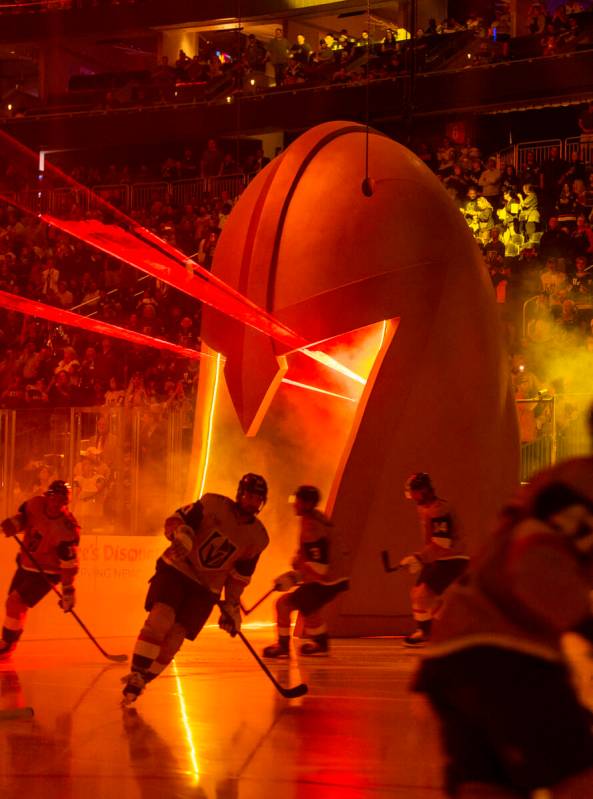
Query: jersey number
[[34, 541]]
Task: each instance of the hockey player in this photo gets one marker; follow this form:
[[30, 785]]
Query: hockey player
[[52, 535], [440, 561], [511, 722], [215, 545], [317, 569]]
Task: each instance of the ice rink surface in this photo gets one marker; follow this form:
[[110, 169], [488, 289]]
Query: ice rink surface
[[213, 726]]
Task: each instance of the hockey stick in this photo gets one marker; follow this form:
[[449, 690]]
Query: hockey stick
[[115, 658], [387, 562], [247, 611], [288, 693], [16, 713]]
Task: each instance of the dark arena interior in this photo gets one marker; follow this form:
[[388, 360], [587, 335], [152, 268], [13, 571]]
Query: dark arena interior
[[296, 385]]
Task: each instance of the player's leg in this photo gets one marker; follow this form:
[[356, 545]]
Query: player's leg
[[284, 607], [423, 603], [155, 630], [26, 590], [169, 648], [190, 617], [316, 632], [14, 623]]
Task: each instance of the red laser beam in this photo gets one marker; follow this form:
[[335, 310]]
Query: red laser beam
[[146, 251], [14, 302]]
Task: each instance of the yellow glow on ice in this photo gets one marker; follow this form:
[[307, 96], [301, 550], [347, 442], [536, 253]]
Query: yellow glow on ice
[[188, 733]]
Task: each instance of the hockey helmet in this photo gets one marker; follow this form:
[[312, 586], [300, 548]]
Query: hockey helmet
[[563, 497], [417, 482], [59, 488], [308, 494], [254, 484]]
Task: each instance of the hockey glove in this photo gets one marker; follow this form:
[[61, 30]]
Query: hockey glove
[[182, 542], [411, 563], [286, 581], [9, 527], [230, 617], [68, 599]]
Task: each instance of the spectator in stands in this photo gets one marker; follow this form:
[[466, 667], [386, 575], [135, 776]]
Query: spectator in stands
[[489, 181], [531, 171], [586, 128], [457, 184], [582, 280], [555, 241], [485, 218], [278, 55], [63, 296], [135, 393], [255, 54], [494, 244], [301, 50], [509, 180], [575, 169], [470, 209], [69, 362], [549, 41], [389, 41], [60, 393], [552, 279], [536, 18], [50, 277], [181, 65], [529, 213], [188, 165], [552, 170], [114, 396], [566, 206], [582, 237], [586, 198], [445, 157], [211, 160]]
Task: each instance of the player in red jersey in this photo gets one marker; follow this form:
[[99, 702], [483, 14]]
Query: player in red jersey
[[495, 671], [440, 561], [319, 569], [51, 534]]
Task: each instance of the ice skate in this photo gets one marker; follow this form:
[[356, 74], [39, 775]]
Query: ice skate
[[276, 651], [416, 639], [134, 685], [317, 647], [6, 650]]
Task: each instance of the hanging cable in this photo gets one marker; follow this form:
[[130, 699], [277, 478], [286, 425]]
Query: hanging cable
[[238, 88], [367, 183]]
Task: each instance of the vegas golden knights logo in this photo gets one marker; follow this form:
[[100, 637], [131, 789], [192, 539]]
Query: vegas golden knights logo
[[215, 551]]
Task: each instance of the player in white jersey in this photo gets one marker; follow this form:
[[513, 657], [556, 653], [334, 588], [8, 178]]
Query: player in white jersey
[[319, 569], [441, 560], [52, 535], [215, 545]]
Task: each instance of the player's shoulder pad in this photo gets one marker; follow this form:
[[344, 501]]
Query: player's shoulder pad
[[260, 534], [320, 517], [191, 514], [34, 503], [213, 503], [440, 507]]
